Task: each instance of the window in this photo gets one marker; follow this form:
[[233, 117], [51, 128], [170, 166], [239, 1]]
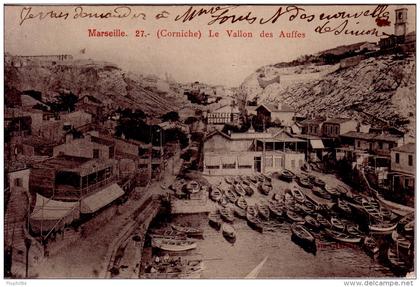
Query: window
[[229, 166], [397, 158], [212, 166], [278, 162], [410, 160], [315, 129], [358, 143], [95, 153], [18, 182], [336, 130], [400, 15], [381, 145], [245, 166], [111, 152]]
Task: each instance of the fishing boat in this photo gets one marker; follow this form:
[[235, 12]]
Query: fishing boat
[[253, 179], [193, 186], [249, 191], [276, 208], [343, 237], [337, 223], [239, 212], [216, 194], [246, 181], [242, 203], [215, 221], [231, 194], [260, 177], [229, 180], [223, 201], [298, 195], [227, 214], [321, 193], [343, 207], [263, 210], [265, 188], [386, 213], [370, 245], [228, 232], [395, 260], [254, 223], [357, 199], [409, 227], [304, 181], [382, 227], [406, 219], [294, 217], [288, 197], [278, 197], [167, 233], [190, 231], [323, 221], [312, 222], [240, 190], [303, 208], [174, 245], [237, 179], [332, 190], [342, 190], [400, 240], [318, 182], [302, 234], [372, 209], [205, 188], [287, 175], [353, 229], [311, 206], [174, 268], [252, 210]]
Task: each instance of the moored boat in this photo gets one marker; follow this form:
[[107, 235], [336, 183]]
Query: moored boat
[[278, 197], [263, 210], [167, 233], [240, 190], [298, 195], [323, 221], [332, 190], [370, 245], [276, 208], [216, 194], [231, 194], [337, 223], [312, 222], [287, 175], [215, 221], [371, 209], [382, 227], [343, 207], [227, 214], [239, 212], [353, 229], [302, 234], [228, 232], [395, 260], [304, 181], [229, 180], [242, 203], [321, 193], [318, 182], [254, 222], [223, 201], [190, 231], [400, 240], [174, 268], [252, 210], [342, 237], [409, 227], [249, 191], [174, 245], [294, 217], [265, 188]]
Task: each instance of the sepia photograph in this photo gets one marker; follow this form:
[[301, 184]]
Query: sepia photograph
[[220, 141]]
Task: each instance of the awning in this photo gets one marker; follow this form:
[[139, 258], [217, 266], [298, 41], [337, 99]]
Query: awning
[[212, 161], [245, 161], [317, 144], [49, 213], [101, 198], [229, 160]]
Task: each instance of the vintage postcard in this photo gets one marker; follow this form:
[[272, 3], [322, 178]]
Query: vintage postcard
[[209, 141]]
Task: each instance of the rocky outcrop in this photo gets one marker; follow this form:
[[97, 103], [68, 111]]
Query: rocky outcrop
[[376, 89], [105, 81]]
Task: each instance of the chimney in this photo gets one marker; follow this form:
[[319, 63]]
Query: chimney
[[279, 106]]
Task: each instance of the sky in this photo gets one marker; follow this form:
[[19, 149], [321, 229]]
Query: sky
[[30, 30]]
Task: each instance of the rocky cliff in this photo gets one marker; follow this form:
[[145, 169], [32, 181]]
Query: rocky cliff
[[105, 81], [377, 89]]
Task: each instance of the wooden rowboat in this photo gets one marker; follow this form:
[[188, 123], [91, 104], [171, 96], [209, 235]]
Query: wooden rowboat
[[400, 240], [395, 260], [383, 227], [332, 190], [242, 203], [174, 245], [227, 214], [343, 237], [312, 222], [231, 194], [370, 245], [344, 207], [249, 191], [265, 188], [239, 212], [294, 217], [215, 221], [298, 195], [229, 180], [337, 223], [254, 222], [323, 221], [263, 210], [190, 231], [302, 234], [229, 232], [223, 201], [252, 210], [216, 194]]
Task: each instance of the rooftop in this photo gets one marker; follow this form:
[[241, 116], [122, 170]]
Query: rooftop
[[409, 148], [337, 120], [359, 135], [312, 122]]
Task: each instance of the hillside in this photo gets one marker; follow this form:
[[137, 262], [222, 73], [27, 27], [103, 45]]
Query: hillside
[[375, 90], [105, 81]]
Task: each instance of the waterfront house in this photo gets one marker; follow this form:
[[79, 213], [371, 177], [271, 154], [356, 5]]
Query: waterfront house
[[312, 127], [247, 153], [282, 113], [333, 128], [227, 114], [403, 167]]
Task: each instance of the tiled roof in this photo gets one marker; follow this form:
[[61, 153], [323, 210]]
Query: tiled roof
[[410, 148]]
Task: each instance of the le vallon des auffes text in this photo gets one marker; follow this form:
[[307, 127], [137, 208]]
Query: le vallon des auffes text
[[198, 34]]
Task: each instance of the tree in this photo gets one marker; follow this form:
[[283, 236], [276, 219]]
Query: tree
[[170, 116]]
